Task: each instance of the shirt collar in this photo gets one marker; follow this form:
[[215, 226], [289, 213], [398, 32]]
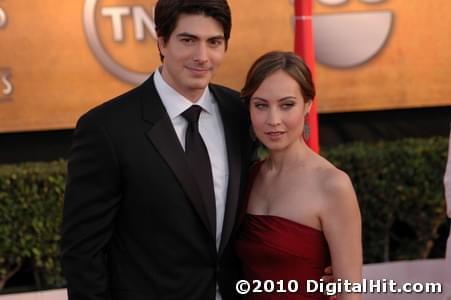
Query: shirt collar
[[175, 103]]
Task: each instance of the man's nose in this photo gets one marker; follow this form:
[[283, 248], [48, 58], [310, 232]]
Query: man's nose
[[201, 53]]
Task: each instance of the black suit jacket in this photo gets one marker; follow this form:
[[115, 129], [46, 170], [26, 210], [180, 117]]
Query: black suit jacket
[[135, 225]]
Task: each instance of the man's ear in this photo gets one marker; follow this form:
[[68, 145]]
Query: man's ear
[[161, 45]]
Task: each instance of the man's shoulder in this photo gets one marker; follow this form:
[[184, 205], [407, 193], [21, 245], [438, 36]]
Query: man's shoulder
[[223, 90], [228, 98]]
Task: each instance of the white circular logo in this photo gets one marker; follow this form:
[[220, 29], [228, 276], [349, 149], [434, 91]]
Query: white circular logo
[[346, 40], [142, 22]]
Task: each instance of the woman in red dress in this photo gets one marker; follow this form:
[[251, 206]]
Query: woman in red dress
[[302, 213]]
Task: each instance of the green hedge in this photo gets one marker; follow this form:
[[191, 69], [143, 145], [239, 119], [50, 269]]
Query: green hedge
[[31, 200], [400, 190], [399, 185]]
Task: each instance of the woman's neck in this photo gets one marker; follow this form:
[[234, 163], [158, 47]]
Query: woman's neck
[[287, 158]]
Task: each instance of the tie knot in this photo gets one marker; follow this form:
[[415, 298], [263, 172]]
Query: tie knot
[[192, 114]]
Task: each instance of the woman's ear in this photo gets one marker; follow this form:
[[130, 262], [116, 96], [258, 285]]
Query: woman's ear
[[307, 107]]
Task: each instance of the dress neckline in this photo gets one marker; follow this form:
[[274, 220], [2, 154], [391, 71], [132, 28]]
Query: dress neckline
[[285, 220]]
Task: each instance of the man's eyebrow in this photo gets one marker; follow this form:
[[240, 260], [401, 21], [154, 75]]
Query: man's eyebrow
[[217, 37], [187, 34], [193, 36]]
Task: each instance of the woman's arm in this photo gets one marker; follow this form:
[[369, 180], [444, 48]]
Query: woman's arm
[[341, 223]]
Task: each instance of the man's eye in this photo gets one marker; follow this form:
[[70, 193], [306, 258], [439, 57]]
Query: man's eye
[[216, 42], [187, 40]]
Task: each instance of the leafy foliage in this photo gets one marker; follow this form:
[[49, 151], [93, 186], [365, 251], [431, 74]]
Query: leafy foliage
[[31, 199], [400, 190]]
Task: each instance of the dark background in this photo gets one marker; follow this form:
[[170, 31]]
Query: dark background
[[334, 129]]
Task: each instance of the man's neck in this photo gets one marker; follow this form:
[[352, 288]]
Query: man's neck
[[193, 95]]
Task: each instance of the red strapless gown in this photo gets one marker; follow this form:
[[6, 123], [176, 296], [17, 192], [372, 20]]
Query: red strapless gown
[[276, 248]]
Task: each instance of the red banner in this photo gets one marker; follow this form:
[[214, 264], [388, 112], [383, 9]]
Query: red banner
[[303, 46]]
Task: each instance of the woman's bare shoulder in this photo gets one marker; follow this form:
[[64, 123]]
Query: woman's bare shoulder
[[334, 184]]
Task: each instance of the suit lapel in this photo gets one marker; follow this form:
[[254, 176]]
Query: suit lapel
[[232, 136], [162, 135]]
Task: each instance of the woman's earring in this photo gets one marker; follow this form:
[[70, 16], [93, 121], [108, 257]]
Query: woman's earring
[[306, 127], [260, 150]]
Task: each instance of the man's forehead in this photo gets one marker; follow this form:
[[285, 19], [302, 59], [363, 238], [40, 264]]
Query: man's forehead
[[198, 25]]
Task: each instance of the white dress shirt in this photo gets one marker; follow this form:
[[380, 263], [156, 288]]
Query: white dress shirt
[[212, 131]]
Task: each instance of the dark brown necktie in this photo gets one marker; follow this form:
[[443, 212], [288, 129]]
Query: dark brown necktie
[[199, 161]]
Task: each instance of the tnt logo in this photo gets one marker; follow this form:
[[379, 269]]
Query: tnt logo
[[122, 36], [142, 21], [6, 86]]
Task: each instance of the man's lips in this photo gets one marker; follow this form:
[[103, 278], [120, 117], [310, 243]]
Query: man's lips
[[198, 69]]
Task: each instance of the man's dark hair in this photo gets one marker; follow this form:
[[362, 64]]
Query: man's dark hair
[[167, 13]]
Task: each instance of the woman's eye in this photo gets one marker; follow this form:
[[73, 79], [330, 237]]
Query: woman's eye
[[260, 105], [287, 105]]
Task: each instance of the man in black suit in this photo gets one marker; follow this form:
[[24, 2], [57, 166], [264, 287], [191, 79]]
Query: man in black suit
[[155, 175]]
